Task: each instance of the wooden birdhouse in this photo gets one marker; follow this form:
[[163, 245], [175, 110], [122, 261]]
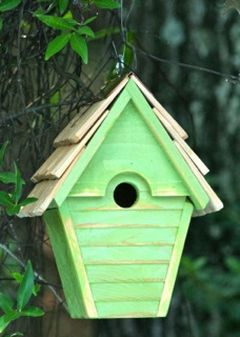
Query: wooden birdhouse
[[117, 196]]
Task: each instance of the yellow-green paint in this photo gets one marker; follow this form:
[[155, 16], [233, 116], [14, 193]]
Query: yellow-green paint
[[131, 101], [175, 259], [114, 261]]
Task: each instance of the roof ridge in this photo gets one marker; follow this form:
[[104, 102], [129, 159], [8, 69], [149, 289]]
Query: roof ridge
[[73, 138]]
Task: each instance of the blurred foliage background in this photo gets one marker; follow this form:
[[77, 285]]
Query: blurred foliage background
[[188, 54]]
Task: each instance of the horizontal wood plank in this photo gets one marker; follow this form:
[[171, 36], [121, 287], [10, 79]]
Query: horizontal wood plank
[[166, 218], [109, 292], [105, 255], [127, 309], [126, 236], [106, 203], [126, 273]]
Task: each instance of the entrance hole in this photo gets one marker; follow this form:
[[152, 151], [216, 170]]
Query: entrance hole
[[125, 195]]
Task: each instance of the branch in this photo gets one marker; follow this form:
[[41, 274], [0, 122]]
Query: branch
[[37, 275], [228, 77]]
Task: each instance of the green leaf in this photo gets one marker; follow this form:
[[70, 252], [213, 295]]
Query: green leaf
[[85, 30], [6, 303], [18, 184], [6, 319], [56, 45], [33, 312], [26, 287], [17, 276], [3, 150], [36, 289], [7, 177], [13, 210], [5, 199], [7, 5], [89, 20], [15, 334], [62, 5], [106, 4], [56, 22], [79, 45], [1, 23], [27, 201]]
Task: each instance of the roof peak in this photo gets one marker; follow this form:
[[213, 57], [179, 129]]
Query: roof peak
[[71, 143]]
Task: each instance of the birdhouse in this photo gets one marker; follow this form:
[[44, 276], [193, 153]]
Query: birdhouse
[[117, 196]]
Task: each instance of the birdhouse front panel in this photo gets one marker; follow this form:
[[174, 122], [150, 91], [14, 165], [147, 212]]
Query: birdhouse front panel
[[126, 211], [117, 214]]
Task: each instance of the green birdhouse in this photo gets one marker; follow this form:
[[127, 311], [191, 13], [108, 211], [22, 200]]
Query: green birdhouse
[[117, 196]]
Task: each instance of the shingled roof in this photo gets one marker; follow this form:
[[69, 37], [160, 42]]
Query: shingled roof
[[72, 141]]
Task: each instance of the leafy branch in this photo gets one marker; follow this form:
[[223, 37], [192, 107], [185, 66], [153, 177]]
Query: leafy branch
[[73, 33], [15, 309], [11, 201]]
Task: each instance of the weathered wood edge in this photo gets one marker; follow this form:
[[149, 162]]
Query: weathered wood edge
[[73, 245], [214, 204], [92, 147], [197, 193], [156, 104], [74, 138], [54, 224], [45, 191], [175, 135], [175, 260], [48, 172]]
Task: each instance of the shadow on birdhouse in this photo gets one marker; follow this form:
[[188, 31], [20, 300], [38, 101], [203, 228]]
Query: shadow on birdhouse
[[117, 196]]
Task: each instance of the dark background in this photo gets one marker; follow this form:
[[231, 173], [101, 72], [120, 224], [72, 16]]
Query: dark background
[[188, 54]]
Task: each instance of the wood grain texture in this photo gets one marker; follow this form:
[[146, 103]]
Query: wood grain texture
[[155, 218], [183, 134], [76, 129], [175, 260], [145, 201], [197, 194], [65, 263], [123, 292], [63, 156], [126, 273], [215, 204], [126, 236], [127, 309], [186, 148], [93, 146], [132, 93], [110, 255], [121, 152], [45, 192], [77, 260], [129, 102]]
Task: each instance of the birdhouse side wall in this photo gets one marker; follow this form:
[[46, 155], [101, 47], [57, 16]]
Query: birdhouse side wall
[[67, 258]]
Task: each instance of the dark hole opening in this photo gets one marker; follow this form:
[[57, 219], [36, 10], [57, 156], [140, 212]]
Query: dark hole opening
[[125, 195]]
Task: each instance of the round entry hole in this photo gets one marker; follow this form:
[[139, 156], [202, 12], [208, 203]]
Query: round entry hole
[[125, 195]]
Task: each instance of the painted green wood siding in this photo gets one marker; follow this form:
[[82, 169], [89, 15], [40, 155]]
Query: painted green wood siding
[[128, 270], [63, 253], [130, 149], [126, 252]]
